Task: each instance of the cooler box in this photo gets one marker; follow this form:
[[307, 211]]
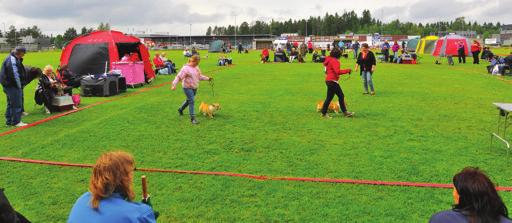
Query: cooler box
[[63, 103], [133, 72]]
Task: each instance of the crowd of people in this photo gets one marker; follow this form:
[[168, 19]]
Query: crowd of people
[[163, 65], [111, 197]]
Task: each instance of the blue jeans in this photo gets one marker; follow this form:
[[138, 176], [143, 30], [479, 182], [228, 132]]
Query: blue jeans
[[190, 93], [356, 53], [14, 105], [367, 80]]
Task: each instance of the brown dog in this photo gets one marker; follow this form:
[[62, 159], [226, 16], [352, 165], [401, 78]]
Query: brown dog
[[209, 110], [333, 107]]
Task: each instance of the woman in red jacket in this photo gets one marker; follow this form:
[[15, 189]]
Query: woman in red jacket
[[475, 50], [333, 72]]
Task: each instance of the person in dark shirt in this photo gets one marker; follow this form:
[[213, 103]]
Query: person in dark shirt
[[476, 200], [367, 62]]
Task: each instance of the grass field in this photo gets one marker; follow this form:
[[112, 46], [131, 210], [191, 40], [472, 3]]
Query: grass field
[[426, 123]]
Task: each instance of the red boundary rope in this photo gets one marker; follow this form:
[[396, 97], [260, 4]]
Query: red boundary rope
[[255, 177], [39, 122]]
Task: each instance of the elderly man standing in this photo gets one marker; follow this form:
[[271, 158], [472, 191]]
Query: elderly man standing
[[10, 77]]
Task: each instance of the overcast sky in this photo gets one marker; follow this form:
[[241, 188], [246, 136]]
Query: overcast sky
[[174, 16]]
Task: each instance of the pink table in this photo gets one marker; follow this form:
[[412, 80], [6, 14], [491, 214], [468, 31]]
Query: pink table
[[133, 72]]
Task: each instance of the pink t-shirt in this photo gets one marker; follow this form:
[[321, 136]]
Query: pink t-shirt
[[189, 77]]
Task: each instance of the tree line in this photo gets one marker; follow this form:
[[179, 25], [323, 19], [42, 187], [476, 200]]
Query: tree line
[[351, 22], [13, 35]]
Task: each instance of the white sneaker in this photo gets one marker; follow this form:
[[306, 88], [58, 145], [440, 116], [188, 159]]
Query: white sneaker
[[47, 110], [21, 124], [24, 114]]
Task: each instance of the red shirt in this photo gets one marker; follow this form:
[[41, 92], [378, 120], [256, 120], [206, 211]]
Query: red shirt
[[475, 47], [333, 70], [310, 45], [158, 62], [265, 52], [134, 57]]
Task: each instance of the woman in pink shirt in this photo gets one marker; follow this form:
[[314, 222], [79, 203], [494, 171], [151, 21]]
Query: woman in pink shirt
[[190, 75]]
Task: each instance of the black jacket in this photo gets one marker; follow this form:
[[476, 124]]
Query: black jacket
[[367, 63], [7, 72]]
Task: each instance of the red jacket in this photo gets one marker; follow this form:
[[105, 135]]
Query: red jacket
[[475, 47], [333, 71], [158, 62]]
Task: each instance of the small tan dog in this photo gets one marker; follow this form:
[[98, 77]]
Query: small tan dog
[[209, 110], [333, 107]]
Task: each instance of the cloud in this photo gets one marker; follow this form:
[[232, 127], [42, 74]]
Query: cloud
[[126, 12]]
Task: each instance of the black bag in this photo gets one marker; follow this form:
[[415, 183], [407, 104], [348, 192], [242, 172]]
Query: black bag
[[7, 213]]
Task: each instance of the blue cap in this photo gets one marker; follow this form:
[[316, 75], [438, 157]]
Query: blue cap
[[20, 49]]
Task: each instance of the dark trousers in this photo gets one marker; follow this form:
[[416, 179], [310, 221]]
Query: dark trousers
[[14, 105], [462, 57], [334, 88], [476, 59]]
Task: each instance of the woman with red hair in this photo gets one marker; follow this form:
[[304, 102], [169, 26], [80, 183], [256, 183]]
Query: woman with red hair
[[110, 197]]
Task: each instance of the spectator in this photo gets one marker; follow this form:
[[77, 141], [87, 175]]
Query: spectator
[[385, 50], [194, 51], [355, 47], [11, 79], [240, 48], [110, 197], [126, 58], [190, 75], [476, 200], [310, 46], [367, 62], [171, 67], [487, 54], [48, 88], [333, 72], [475, 50], [404, 44], [395, 49], [187, 53], [134, 57], [264, 55], [293, 55], [461, 50], [159, 64]]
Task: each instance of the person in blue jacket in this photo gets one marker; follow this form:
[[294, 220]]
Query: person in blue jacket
[[11, 76], [110, 197]]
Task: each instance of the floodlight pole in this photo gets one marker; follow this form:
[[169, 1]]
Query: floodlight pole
[[190, 35], [236, 43]]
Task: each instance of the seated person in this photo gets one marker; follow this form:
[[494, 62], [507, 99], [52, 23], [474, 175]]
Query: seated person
[[126, 58], [68, 78], [280, 56], [324, 51], [264, 55], [194, 51], [293, 55], [224, 60], [48, 88], [171, 67], [487, 54], [134, 57], [111, 196], [476, 200], [160, 67], [187, 53]]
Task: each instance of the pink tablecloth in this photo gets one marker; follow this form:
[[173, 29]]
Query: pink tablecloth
[[133, 72]]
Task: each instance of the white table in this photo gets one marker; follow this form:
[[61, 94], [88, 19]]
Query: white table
[[503, 123]]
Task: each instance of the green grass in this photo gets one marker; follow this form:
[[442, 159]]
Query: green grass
[[426, 123]]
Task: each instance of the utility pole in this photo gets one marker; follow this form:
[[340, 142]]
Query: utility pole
[[190, 34], [236, 43]]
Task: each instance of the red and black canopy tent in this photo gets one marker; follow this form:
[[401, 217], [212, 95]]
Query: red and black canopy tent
[[89, 54]]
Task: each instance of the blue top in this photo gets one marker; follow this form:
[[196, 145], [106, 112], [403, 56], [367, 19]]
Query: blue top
[[452, 216], [114, 209]]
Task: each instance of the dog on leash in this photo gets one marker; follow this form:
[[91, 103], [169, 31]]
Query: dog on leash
[[209, 110], [333, 107]]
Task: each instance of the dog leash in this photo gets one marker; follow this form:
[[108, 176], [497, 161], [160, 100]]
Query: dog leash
[[212, 85]]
